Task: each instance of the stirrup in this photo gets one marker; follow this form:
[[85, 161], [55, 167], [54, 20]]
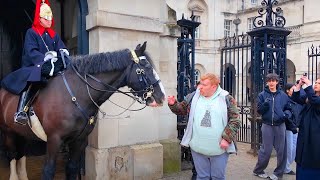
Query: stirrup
[[21, 118]]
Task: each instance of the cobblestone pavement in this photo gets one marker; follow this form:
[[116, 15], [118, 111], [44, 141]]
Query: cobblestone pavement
[[239, 167]]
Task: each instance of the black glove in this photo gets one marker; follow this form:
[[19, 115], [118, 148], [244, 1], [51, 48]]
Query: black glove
[[47, 66], [294, 131], [266, 104]]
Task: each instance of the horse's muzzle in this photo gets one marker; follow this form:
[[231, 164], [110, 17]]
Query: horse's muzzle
[[153, 103]]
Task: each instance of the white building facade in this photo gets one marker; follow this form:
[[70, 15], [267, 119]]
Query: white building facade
[[218, 20]]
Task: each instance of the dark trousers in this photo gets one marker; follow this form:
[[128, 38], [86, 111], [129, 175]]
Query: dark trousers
[[272, 136], [307, 173]]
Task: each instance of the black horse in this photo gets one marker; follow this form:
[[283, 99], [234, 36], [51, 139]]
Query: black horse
[[67, 107]]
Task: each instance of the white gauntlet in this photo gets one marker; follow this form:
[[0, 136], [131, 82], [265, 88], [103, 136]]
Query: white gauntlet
[[65, 51], [52, 56]]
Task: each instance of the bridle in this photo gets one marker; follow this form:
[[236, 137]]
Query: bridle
[[147, 84], [140, 95]]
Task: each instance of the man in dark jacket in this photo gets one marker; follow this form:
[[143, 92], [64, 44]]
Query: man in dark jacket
[[274, 109], [39, 60]]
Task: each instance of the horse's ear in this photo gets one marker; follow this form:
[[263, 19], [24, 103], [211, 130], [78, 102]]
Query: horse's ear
[[140, 49], [144, 46]]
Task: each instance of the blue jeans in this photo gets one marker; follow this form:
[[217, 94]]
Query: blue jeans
[[213, 167], [291, 149]]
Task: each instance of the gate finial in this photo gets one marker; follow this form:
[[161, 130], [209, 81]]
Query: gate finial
[[273, 18]]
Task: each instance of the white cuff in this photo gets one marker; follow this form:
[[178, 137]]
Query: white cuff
[[65, 51]]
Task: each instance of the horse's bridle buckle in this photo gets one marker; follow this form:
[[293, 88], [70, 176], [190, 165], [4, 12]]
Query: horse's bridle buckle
[[139, 71]]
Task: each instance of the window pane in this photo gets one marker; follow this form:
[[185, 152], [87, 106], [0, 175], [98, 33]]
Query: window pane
[[250, 23], [227, 28]]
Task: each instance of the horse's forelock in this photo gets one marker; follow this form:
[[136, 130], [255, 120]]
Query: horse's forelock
[[102, 62], [146, 54]]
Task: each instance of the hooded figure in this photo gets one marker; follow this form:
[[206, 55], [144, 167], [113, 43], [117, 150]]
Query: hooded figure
[[39, 53]]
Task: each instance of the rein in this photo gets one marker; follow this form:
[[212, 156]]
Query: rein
[[146, 93]]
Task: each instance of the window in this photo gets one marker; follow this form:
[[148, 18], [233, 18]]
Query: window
[[227, 28], [197, 75], [197, 32], [253, 1], [250, 23]]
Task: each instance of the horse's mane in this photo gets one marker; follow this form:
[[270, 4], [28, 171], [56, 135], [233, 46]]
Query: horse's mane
[[105, 62], [102, 62]]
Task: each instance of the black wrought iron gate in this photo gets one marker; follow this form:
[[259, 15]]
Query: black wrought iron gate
[[313, 63], [245, 61], [245, 80], [185, 71], [235, 74]]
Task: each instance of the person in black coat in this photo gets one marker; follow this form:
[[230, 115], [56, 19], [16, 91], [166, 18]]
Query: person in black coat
[[308, 143], [38, 58]]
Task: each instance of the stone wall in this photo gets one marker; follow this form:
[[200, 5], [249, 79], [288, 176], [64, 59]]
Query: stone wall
[[127, 146]]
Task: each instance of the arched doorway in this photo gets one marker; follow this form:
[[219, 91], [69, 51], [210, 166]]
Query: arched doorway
[[14, 22], [291, 71], [229, 79]]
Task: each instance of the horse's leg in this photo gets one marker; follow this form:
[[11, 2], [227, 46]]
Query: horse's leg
[[13, 170], [21, 159], [49, 169], [21, 169], [75, 151], [10, 141]]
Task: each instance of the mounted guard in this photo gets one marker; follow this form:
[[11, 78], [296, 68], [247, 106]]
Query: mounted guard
[[42, 58]]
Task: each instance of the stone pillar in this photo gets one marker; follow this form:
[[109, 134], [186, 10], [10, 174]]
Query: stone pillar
[[127, 146]]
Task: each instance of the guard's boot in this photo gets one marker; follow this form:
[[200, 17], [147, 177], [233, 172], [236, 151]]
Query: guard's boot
[[21, 117], [26, 98]]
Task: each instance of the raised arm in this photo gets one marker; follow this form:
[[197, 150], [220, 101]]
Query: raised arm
[[298, 94], [178, 108], [313, 99], [299, 97]]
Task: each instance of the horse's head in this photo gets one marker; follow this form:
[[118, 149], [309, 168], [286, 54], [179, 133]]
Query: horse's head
[[144, 80]]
